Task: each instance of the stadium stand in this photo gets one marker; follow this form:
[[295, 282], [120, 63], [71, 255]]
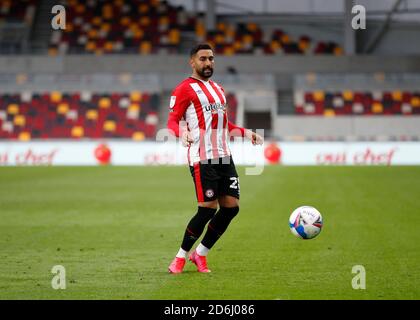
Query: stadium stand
[[61, 115], [16, 20], [78, 115], [350, 102], [16, 11], [232, 39], [120, 27], [249, 50], [150, 27]]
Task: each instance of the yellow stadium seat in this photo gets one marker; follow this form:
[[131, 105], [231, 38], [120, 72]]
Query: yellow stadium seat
[[229, 51], [69, 28], [174, 36], [125, 21], [275, 45], [105, 27], [52, 51], [24, 136], [230, 32], [77, 132], [319, 95], [415, 102], [92, 34], [109, 46], [163, 21], [377, 107], [329, 113], [211, 43], [200, 30], [135, 96], [237, 45], [338, 51], [107, 7], [145, 47], [143, 8], [134, 107], [397, 95], [138, 136], [144, 21], [80, 8], [138, 33], [348, 95], [133, 27], [108, 14], [96, 21], [92, 115], [90, 46], [110, 126], [285, 38], [104, 103], [13, 108], [252, 26], [19, 120], [303, 45], [219, 39], [55, 96], [247, 39], [62, 108], [221, 26]]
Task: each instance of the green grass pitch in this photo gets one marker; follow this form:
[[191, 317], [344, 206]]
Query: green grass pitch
[[116, 229]]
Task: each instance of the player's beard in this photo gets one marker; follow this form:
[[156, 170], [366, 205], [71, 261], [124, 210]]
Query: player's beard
[[206, 72]]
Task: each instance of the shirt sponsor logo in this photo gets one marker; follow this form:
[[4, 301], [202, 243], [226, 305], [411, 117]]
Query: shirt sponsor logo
[[214, 107]]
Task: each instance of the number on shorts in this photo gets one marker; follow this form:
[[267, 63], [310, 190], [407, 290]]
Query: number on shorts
[[235, 182]]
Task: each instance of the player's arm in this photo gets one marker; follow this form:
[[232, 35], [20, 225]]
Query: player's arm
[[177, 106], [237, 131]]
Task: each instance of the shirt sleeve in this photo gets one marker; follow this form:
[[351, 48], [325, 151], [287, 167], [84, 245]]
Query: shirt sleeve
[[235, 131], [178, 104]]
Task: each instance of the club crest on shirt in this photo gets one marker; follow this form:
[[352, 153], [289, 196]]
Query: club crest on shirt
[[172, 102], [209, 193]]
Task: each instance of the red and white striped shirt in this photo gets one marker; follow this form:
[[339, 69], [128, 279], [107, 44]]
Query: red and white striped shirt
[[203, 106]]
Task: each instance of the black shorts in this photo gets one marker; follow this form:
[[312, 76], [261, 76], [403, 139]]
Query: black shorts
[[215, 179]]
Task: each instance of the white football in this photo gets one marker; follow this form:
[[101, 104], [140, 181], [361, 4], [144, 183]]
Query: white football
[[305, 222]]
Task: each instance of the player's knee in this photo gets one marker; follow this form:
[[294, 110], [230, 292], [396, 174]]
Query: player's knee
[[208, 204], [206, 213], [230, 212]]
